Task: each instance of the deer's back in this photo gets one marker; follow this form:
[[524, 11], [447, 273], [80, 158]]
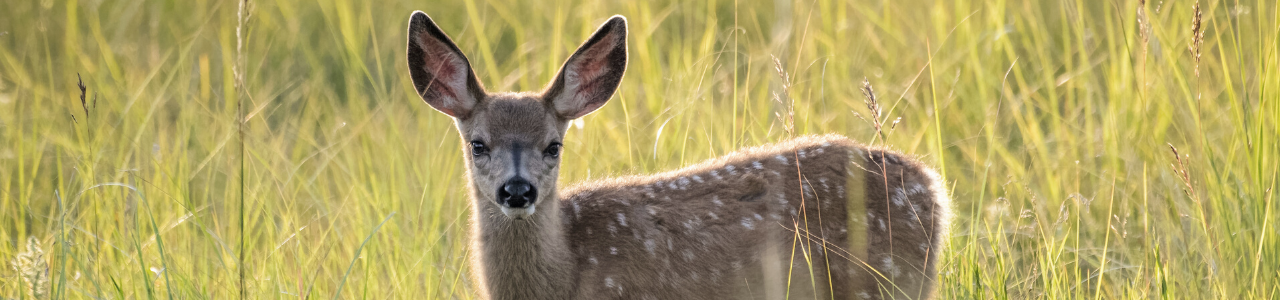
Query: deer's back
[[820, 208]]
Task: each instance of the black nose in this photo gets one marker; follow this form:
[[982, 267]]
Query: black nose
[[517, 193]]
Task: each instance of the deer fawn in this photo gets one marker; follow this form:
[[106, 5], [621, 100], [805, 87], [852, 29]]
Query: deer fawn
[[816, 216]]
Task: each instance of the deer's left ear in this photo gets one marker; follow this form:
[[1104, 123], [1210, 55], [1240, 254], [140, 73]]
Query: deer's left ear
[[592, 74]]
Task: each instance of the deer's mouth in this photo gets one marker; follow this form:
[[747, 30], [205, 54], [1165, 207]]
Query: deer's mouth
[[518, 213]]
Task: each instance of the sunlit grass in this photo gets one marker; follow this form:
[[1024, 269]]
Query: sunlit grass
[[1052, 121]]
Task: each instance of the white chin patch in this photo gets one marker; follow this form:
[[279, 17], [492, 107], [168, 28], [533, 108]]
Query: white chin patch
[[518, 213]]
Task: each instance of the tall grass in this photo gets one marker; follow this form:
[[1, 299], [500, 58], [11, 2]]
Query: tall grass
[[1052, 120]]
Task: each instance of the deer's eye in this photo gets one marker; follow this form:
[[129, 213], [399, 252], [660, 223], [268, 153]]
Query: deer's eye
[[478, 148], [553, 150]]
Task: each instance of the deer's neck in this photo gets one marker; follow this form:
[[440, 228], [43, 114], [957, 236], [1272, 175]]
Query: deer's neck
[[523, 259]]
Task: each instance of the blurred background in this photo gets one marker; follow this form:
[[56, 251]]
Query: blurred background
[[276, 149]]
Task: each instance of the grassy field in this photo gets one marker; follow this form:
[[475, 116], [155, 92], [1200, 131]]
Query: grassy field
[[324, 176]]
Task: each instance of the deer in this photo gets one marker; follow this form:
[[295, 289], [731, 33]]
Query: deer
[[816, 216]]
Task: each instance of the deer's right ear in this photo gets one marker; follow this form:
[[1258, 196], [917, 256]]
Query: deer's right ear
[[441, 75]]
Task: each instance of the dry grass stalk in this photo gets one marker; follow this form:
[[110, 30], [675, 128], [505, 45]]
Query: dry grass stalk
[[1180, 169]]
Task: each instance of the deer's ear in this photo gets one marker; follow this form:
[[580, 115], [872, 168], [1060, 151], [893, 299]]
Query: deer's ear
[[591, 75], [441, 75]]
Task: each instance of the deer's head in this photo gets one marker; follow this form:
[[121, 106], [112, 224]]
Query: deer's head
[[512, 141]]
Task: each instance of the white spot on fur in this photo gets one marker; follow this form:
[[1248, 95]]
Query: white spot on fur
[[698, 179], [819, 150], [613, 250], [891, 268], [716, 174], [577, 211], [916, 189], [613, 230], [775, 216], [731, 170], [673, 186], [713, 216], [757, 165], [826, 144], [684, 182], [881, 224], [649, 246], [716, 199], [748, 223], [651, 211], [592, 260], [781, 158], [864, 295], [899, 197], [801, 153], [687, 254], [758, 217], [622, 220], [924, 247]]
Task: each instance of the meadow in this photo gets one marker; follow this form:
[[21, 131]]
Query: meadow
[[1121, 149]]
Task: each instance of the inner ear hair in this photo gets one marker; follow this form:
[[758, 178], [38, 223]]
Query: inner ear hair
[[441, 74], [590, 76]]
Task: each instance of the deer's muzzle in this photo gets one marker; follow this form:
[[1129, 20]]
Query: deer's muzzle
[[517, 193]]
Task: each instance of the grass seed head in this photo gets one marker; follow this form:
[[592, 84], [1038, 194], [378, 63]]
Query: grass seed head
[[877, 112], [1144, 24], [31, 266], [787, 115], [83, 90], [1197, 36]]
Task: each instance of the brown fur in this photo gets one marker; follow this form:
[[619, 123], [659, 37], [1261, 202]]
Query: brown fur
[[832, 218], [698, 232]]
